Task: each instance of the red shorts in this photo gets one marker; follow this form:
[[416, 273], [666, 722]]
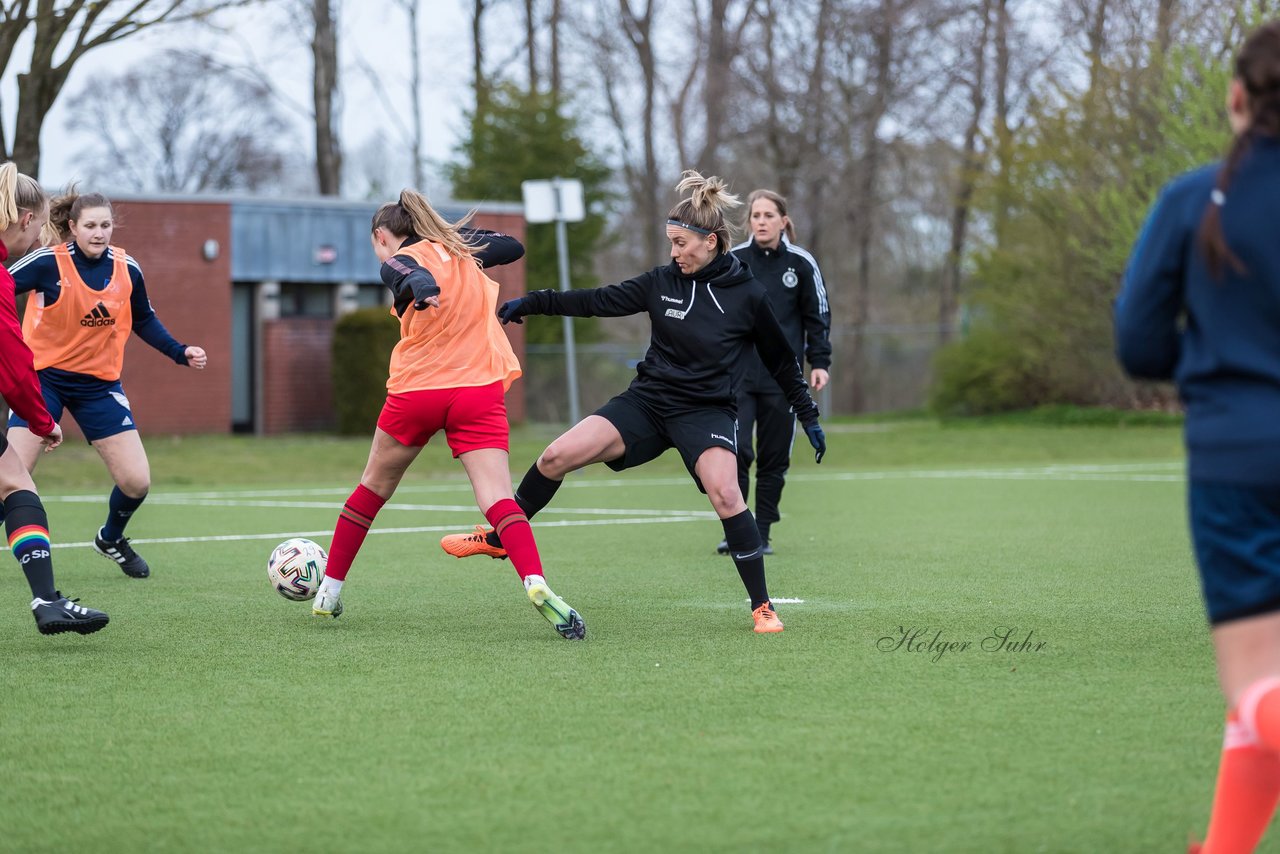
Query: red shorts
[[472, 418]]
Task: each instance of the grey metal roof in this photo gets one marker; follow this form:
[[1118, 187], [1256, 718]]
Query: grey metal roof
[[313, 239]]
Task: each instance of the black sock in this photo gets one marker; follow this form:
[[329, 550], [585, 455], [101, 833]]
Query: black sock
[[534, 493], [764, 531], [119, 508], [28, 528], [743, 537]]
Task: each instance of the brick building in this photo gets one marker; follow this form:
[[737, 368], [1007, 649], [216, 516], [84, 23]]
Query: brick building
[[258, 284]]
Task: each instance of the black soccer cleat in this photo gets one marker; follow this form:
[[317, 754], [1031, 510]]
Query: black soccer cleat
[[765, 548], [723, 548], [131, 563], [64, 615]]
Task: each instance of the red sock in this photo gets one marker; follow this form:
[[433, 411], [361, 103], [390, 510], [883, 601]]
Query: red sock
[[1259, 709], [1247, 791], [512, 527], [353, 524]]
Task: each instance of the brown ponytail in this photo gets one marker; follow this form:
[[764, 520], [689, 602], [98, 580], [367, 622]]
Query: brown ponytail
[[66, 209], [1258, 70]]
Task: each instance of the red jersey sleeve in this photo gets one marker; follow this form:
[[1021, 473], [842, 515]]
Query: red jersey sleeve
[[19, 384]]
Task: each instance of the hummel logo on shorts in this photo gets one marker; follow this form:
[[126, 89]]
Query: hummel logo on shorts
[[98, 317]]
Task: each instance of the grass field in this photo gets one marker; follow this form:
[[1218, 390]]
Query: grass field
[[440, 713]]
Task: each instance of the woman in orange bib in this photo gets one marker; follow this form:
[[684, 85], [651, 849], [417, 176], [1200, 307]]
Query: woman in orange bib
[[448, 372], [88, 297]]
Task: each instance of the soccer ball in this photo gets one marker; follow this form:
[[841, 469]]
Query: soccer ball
[[296, 567]]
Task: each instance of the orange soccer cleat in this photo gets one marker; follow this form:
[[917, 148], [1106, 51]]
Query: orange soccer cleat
[[766, 619], [466, 545]]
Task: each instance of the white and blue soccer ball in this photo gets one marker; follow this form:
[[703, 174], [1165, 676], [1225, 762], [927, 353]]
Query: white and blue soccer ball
[[296, 568]]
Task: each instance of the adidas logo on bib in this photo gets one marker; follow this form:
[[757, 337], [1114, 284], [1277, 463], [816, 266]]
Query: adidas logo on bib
[[98, 317]]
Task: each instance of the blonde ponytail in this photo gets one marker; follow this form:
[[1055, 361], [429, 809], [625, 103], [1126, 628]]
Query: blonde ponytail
[[704, 209], [18, 193], [413, 216]]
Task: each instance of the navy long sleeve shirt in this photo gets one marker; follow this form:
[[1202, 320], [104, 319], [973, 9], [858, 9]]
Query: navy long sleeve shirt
[[38, 271], [1218, 338]]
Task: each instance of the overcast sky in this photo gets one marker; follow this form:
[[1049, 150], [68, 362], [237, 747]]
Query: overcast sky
[[373, 39]]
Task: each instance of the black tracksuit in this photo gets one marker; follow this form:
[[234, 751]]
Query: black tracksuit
[[685, 393], [704, 327], [799, 298]]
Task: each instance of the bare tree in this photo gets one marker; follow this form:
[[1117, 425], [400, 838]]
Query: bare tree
[[637, 26], [412, 9], [554, 24], [63, 34], [786, 74], [479, 82], [970, 166], [1004, 137], [883, 29], [14, 19], [723, 41], [531, 42], [324, 53], [176, 124]]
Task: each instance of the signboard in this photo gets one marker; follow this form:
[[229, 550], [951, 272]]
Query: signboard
[[556, 199]]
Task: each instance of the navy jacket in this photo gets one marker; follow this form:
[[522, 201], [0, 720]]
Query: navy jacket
[[799, 298], [38, 271], [1217, 338]]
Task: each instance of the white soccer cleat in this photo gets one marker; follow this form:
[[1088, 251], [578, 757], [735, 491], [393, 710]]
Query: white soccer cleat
[[326, 605], [557, 612]]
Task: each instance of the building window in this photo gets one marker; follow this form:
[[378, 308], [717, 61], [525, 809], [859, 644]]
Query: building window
[[306, 299], [369, 296]]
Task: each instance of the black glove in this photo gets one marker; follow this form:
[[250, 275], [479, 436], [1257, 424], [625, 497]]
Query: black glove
[[816, 438], [513, 310]]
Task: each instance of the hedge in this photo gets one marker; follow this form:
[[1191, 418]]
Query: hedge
[[362, 345]]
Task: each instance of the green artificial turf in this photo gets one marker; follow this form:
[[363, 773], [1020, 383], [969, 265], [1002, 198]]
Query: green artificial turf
[[441, 713]]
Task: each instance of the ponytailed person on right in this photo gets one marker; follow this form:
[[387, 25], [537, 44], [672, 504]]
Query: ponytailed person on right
[[706, 312], [1201, 306]]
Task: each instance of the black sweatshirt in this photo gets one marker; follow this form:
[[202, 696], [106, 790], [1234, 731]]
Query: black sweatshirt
[[799, 297], [400, 272], [704, 326]]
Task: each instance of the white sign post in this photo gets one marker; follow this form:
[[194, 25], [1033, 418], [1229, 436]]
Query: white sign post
[[559, 200]]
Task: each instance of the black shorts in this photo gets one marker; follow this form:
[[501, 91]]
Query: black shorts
[[649, 426]]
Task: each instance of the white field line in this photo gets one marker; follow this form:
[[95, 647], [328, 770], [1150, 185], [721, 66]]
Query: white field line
[[426, 529], [1134, 472], [1160, 472], [185, 501]]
